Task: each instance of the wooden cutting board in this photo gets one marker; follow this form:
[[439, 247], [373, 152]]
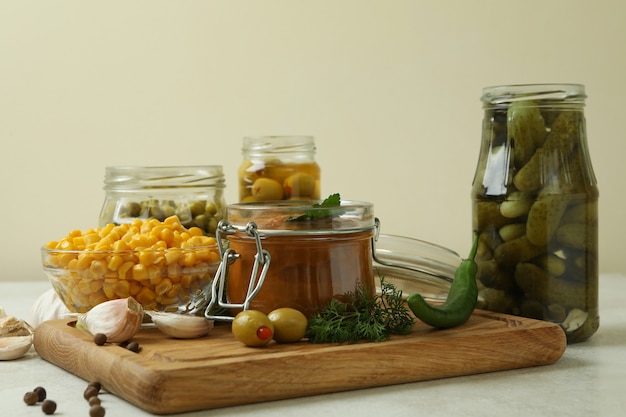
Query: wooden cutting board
[[172, 376]]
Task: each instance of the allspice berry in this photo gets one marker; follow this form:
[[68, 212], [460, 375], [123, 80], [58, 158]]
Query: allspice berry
[[99, 339], [31, 398], [41, 393], [89, 392], [95, 384], [96, 411], [133, 347], [48, 407], [95, 400]]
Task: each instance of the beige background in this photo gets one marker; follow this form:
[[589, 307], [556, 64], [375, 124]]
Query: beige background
[[390, 90]]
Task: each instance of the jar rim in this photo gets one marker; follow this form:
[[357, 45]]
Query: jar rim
[[132, 177], [277, 144], [301, 217], [550, 92]]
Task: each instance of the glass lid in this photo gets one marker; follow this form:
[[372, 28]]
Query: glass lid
[[413, 265]]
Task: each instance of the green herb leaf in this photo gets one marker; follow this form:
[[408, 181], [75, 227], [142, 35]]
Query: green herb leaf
[[318, 212], [359, 316]]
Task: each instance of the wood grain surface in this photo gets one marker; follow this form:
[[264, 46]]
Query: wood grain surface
[[172, 376]]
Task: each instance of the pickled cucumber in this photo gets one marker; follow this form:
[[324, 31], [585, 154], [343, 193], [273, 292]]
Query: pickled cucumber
[[526, 130]]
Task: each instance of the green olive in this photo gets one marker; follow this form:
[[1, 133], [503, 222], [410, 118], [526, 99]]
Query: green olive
[[289, 324], [299, 185], [265, 189], [253, 328]]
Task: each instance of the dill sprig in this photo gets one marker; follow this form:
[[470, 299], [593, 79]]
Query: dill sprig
[[358, 316]]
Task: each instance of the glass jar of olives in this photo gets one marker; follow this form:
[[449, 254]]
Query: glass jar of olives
[[193, 193], [535, 205], [279, 168]]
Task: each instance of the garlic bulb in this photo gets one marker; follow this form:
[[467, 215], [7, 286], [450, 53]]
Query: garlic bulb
[[118, 319], [181, 326], [47, 307], [16, 337]]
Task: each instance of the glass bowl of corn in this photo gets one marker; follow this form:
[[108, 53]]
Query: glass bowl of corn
[[161, 264]]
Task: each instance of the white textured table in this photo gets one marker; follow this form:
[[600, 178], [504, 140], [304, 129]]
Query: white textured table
[[589, 380]]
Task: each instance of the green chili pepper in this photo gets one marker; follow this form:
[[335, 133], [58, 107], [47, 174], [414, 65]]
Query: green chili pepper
[[460, 302]]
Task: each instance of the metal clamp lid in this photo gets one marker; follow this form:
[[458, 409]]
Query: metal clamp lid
[[262, 259]]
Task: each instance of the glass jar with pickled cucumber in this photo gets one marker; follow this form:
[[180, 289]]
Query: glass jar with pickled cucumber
[[193, 193], [535, 206], [279, 168]]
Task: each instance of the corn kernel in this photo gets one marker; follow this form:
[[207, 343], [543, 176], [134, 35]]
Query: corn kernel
[[124, 269], [154, 275], [84, 261], [134, 288], [167, 236], [174, 271], [165, 302], [172, 220], [115, 262], [196, 231], [119, 245], [186, 281], [52, 244], [65, 258], [95, 285], [98, 268], [79, 242], [146, 257], [173, 291], [172, 255], [109, 288], [82, 287], [214, 257], [163, 287], [91, 238], [137, 241], [106, 229], [65, 244], [72, 265], [145, 296], [188, 259], [97, 298], [122, 289], [140, 272]]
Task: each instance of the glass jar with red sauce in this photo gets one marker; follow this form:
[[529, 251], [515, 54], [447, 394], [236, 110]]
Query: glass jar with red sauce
[[294, 254]]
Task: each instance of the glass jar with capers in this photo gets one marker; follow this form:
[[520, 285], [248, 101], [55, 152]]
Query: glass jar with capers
[[535, 206], [278, 168], [193, 193]]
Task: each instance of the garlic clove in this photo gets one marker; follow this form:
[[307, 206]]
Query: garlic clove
[[181, 326], [16, 337], [118, 319], [14, 347], [575, 319]]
